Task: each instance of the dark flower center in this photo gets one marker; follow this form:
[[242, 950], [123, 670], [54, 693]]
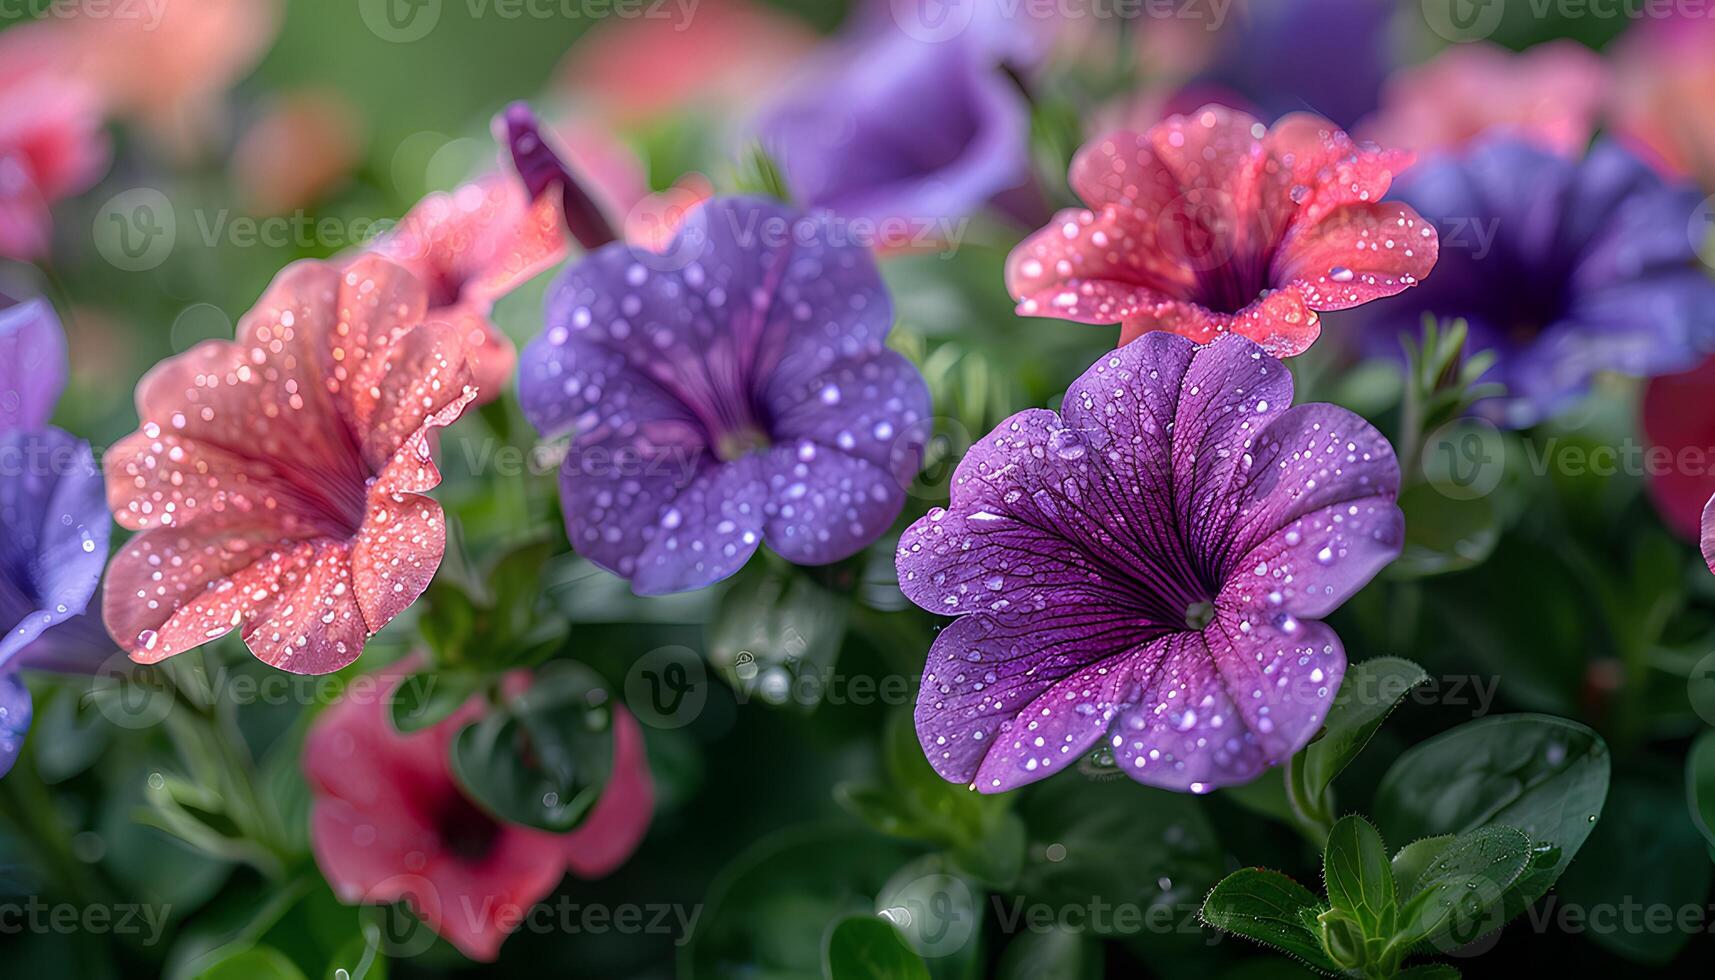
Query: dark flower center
[[1199, 615], [739, 442], [465, 831]]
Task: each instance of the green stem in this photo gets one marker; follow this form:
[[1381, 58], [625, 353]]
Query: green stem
[[1310, 814]]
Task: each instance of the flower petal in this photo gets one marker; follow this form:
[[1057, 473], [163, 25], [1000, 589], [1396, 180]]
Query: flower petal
[[15, 715], [825, 505], [1358, 253], [395, 554], [707, 532], [32, 365], [56, 533]]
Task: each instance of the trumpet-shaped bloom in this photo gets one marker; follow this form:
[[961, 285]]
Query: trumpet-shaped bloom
[[1145, 572], [1562, 266], [277, 481], [390, 823], [53, 521], [733, 388], [1211, 223], [1550, 95]]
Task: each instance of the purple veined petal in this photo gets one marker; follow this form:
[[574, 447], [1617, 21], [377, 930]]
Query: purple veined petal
[[1317, 516], [707, 531], [1708, 542], [53, 505], [15, 712], [991, 690], [32, 365], [872, 407], [824, 505], [1227, 703]]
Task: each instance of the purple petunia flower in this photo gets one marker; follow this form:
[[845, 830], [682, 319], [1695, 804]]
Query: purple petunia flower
[[1326, 56], [54, 522], [932, 135], [1562, 267], [735, 389], [1145, 570]]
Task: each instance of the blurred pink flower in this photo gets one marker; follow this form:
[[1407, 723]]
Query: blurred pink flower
[[301, 149], [165, 64], [725, 56], [1664, 101], [1676, 417], [390, 823], [1550, 95], [51, 141]]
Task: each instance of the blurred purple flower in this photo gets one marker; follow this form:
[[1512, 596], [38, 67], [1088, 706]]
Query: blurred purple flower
[[735, 388], [1563, 267], [54, 522], [889, 127], [1326, 56], [1145, 570]]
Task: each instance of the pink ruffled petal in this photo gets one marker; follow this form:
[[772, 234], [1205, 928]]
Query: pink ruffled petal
[[1358, 253]]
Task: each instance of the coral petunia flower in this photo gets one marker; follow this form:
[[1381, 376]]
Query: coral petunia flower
[[1211, 223], [1550, 95], [298, 152], [390, 823], [1562, 266], [479, 242], [1662, 107], [1145, 571], [51, 140], [278, 481], [1676, 417], [734, 388], [53, 522]]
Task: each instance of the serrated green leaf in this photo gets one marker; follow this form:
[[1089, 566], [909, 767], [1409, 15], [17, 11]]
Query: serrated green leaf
[[1461, 895], [1413, 859]]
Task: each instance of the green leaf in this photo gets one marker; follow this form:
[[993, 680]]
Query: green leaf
[[1700, 786], [1545, 776], [1413, 860], [543, 759], [1357, 874], [429, 697], [1116, 840], [1269, 908], [1444, 533], [255, 963], [1052, 954], [1462, 895], [1369, 693], [865, 947]]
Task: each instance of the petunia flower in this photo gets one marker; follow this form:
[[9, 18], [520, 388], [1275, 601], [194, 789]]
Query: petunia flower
[[1562, 266], [1144, 572], [932, 139], [278, 481], [1676, 418], [1329, 57], [54, 524], [1661, 107], [1211, 223], [1550, 95], [390, 823], [734, 389], [476, 244], [300, 150], [51, 141], [1708, 542]]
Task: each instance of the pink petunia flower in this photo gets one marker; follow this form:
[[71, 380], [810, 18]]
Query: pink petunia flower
[[51, 141], [1212, 223], [475, 244], [1550, 95], [1676, 418], [1662, 107], [390, 823], [278, 481], [299, 151]]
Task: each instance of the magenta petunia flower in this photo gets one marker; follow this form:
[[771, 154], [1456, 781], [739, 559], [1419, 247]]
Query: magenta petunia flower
[[278, 482], [51, 141], [1145, 570], [735, 388], [1211, 223], [390, 823], [1675, 417]]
